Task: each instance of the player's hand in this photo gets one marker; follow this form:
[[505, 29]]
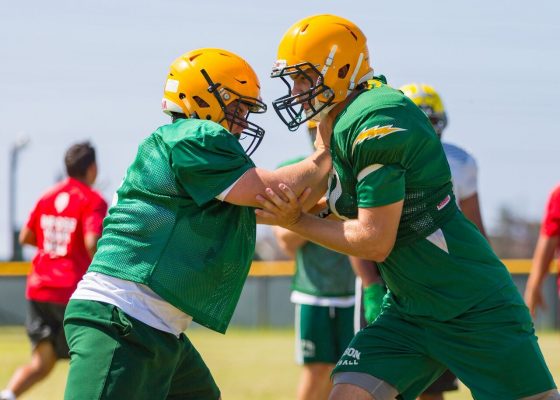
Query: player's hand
[[283, 208], [534, 299]]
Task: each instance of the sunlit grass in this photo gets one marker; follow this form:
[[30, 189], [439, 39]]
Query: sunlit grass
[[246, 363]]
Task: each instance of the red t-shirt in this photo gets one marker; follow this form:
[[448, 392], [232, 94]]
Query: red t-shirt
[[60, 220], [551, 222]]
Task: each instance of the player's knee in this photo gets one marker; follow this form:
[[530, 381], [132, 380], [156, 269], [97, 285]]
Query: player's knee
[[358, 385], [343, 391], [548, 395]]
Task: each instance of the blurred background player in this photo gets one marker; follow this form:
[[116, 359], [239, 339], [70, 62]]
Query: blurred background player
[[547, 245], [464, 175], [179, 239], [64, 226], [323, 294]]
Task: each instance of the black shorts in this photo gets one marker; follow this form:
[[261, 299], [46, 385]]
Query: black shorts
[[447, 382], [44, 322]]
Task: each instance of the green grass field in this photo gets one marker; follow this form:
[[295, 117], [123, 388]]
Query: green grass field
[[246, 363]]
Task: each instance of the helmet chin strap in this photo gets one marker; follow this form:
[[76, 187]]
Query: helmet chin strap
[[366, 77], [323, 113], [352, 84]]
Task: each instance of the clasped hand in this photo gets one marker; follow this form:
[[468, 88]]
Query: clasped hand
[[282, 208]]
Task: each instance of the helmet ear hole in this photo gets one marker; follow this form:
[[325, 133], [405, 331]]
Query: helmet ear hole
[[200, 101], [342, 72], [208, 117]]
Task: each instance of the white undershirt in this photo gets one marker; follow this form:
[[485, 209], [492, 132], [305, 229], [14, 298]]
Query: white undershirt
[[135, 299], [311, 300]]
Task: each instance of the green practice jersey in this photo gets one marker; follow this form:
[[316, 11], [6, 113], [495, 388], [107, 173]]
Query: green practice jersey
[[385, 150], [168, 231], [321, 272]]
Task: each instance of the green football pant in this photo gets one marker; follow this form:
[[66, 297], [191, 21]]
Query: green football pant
[[114, 356], [492, 348]]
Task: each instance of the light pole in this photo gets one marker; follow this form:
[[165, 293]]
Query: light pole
[[19, 144]]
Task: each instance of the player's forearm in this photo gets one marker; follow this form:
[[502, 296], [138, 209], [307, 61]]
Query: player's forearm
[[539, 271], [311, 172], [366, 270], [544, 253], [471, 208], [288, 241], [349, 237]]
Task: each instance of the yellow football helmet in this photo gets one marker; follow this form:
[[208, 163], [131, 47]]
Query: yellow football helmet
[[332, 47], [202, 83], [426, 97]]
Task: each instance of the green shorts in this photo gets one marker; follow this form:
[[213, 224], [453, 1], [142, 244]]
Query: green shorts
[[114, 356], [492, 348], [322, 333]]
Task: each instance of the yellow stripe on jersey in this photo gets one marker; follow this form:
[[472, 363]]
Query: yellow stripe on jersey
[[376, 132]]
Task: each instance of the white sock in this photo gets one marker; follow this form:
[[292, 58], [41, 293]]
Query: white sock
[[7, 395]]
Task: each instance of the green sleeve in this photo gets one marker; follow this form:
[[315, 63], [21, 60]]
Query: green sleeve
[[381, 187], [207, 164], [376, 155]]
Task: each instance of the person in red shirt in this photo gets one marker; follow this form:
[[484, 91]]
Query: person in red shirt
[[64, 226], [547, 245]]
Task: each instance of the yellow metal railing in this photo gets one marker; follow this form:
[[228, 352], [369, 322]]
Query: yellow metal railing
[[269, 268]]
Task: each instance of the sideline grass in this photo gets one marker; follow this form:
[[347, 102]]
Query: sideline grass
[[247, 363]]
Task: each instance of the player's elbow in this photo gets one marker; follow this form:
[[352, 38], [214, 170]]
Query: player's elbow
[[382, 256], [27, 236], [289, 247], [378, 255], [377, 251]]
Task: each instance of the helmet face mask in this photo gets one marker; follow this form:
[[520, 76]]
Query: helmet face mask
[[251, 134], [216, 85], [234, 117], [295, 109], [438, 120]]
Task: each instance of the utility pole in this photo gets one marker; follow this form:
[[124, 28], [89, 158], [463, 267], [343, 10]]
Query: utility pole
[[20, 143]]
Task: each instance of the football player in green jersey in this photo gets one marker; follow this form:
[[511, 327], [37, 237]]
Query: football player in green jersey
[[179, 239], [451, 303]]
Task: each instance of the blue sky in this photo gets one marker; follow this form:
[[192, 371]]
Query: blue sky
[[71, 71]]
